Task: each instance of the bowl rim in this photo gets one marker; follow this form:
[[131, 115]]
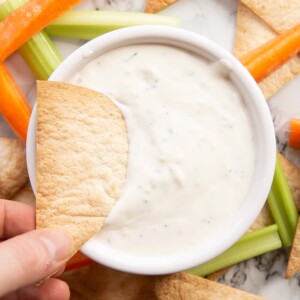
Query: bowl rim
[[245, 216]]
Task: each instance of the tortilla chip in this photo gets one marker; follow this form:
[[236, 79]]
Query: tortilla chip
[[153, 6], [264, 219], [215, 276], [292, 174], [294, 259], [280, 15], [13, 170], [81, 159], [252, 32], [98, 283], [184, 286], [25, 195]]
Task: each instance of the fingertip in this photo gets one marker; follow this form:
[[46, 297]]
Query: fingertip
[[54, 289], [40, 251]]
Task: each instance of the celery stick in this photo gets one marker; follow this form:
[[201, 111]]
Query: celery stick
[[39, 52], [250, 245], [90, 24], [282, 206]]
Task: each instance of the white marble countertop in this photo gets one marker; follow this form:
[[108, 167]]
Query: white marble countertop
[[214, 19]]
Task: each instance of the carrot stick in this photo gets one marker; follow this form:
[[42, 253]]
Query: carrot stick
[[13, 104], [294, 138], [78, 261], [271, 55], [27, 20]]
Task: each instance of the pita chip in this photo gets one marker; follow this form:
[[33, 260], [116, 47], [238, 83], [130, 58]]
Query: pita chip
[[153, 6], [294, 259], [25, 195], [280, 15], [98, 283], [13, 170], [252, 32], [264, 219], [292, 174], [185, 286], [215, 276], [81, 159]]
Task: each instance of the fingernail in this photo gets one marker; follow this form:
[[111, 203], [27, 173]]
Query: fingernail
[[58, 243]]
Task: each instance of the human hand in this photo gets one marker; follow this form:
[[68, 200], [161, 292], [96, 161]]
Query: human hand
[[28, 256]]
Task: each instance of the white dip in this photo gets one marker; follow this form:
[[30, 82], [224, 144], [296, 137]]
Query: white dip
[[191, 147]]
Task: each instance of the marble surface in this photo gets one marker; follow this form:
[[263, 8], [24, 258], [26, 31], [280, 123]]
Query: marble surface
[[214, 19]]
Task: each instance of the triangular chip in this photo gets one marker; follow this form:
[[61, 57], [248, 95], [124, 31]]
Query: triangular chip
[[251, 32], [13, 171], [153, 6], [294, 259], [81, 159], [215, 276], [292, 174], [264, 219], [182, 286], [281, 15], [98, 282]]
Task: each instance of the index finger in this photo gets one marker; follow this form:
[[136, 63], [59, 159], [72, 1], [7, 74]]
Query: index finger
[[15, 218]]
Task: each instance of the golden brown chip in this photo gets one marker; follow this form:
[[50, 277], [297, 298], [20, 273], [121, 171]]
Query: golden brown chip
[[215, 276], [25, 195], [281, 15], [182, 286], [264, 219], [153, 6], [294, 259], [81, 159], [251, 32], [13, 171], [292, 174], [98, 283]]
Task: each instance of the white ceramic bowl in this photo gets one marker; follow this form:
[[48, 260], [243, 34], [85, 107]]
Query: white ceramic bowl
[[262, 126]]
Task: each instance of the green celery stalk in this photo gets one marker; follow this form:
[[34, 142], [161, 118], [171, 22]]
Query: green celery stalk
[[39, 52], [90, 24], [250, 245], [282, 206]]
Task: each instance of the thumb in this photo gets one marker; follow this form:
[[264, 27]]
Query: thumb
[[32, 256]]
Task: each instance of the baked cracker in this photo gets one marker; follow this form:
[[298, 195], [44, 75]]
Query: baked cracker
[[154, 6], [280, 15], [189, 287], [81, 159], [264, 219], [294, 259], [252, 32], [98, 282], [13, 170], [292, 174]]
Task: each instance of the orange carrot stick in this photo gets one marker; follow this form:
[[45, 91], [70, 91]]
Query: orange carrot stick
[[78, 261], [27, 20], [13, 104], [294, 138], [271, 55]]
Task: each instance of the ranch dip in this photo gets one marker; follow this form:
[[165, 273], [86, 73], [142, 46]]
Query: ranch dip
[[191, 147]]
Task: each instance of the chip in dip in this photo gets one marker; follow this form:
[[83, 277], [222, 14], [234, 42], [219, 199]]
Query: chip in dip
[[191, 147], [81, 159]]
